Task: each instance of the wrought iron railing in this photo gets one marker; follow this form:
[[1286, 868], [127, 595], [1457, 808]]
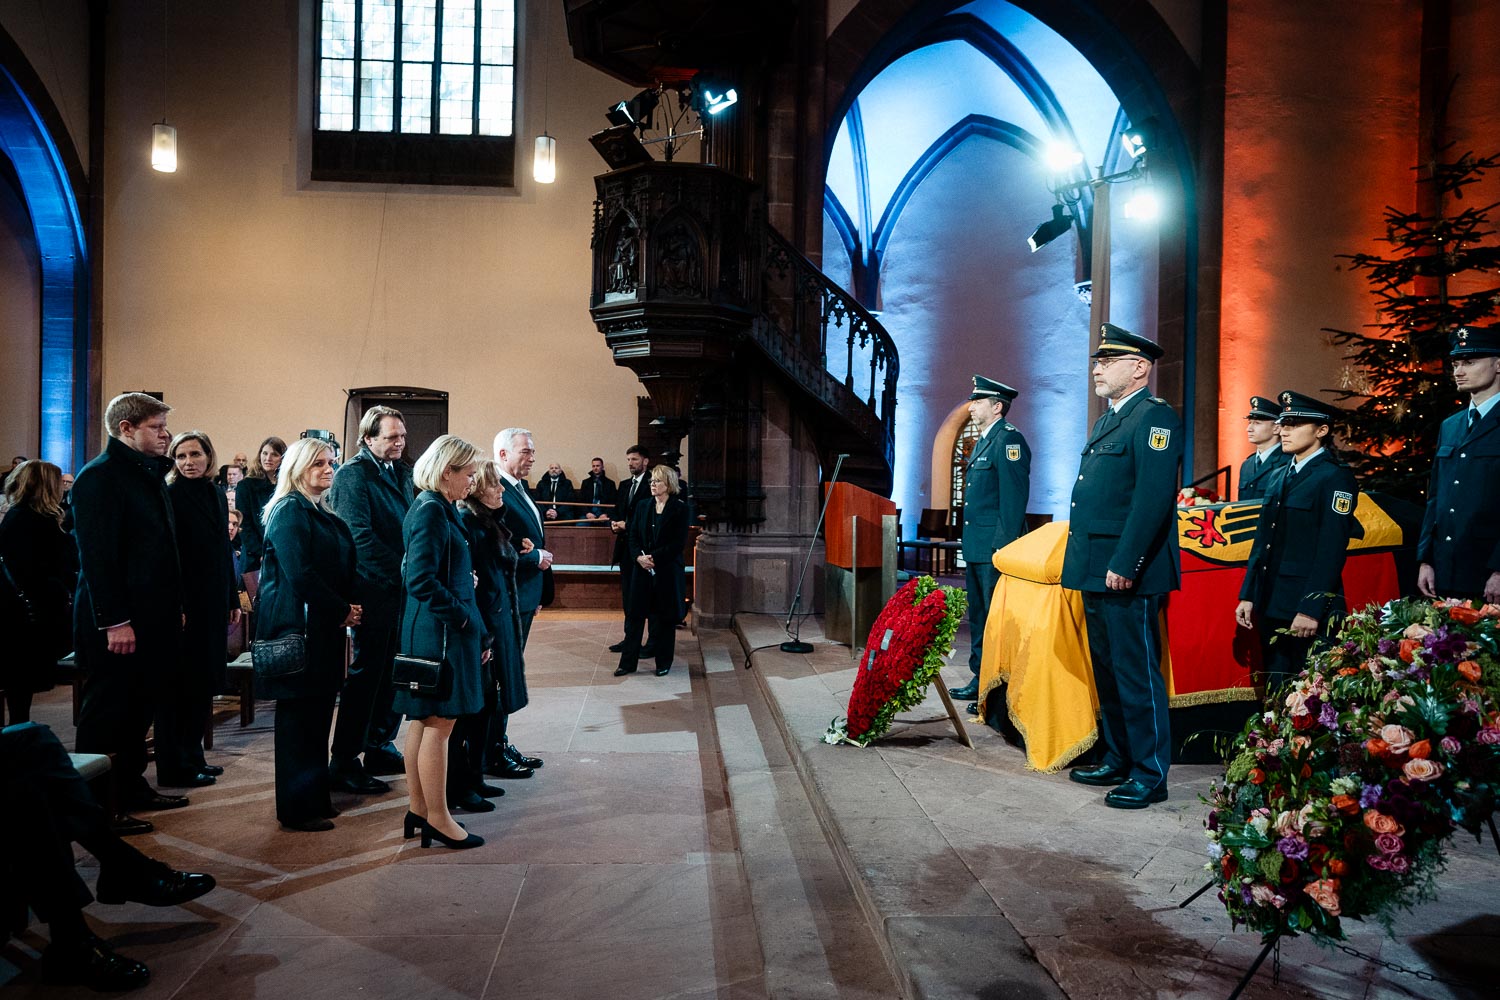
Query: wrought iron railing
[[830, 342]]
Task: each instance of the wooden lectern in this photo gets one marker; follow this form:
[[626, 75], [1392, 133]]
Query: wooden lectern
[[859, 536]]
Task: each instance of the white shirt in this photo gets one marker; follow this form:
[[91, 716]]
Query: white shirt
[[1485, 407], [513, 485], [1116, 404], [1261, 454], [1298, 463]]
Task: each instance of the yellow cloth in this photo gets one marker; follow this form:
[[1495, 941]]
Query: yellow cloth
[[1035, 640]]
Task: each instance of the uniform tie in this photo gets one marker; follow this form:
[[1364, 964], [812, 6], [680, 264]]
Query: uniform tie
[[1473, 419]]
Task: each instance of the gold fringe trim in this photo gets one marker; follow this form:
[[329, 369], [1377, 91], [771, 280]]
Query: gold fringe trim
[[1220, 697], [1063, 759]]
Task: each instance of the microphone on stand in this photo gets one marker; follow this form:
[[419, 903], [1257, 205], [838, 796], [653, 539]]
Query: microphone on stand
[[794, 643]]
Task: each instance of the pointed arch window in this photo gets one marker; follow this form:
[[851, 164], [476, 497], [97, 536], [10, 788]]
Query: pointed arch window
[[415, 91]]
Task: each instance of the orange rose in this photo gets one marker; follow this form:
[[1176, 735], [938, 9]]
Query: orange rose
[[1421, 748], [1379, 822], [1257, 776], [1464, 614], [1421, 770], [1346, 804], [1325, 892], [1470, 671], [1338, 866], [1408, 647], [1377, 747]]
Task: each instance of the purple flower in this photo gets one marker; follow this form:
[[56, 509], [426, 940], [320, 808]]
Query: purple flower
[[1292, 847], [1445, 647], [1387, 647], [1388, 843], [1399, 863], [1329, 717], [1379, 862], [1368, 795], [1450, 745]]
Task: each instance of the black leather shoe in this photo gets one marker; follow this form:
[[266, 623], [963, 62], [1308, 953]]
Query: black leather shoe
[[1135, 795], [384, 760], [199, 780], [488, 791], [1098, 774], [471, 803], [969, 692], [519, 759], [358, 782], [157, 886], [155, 800], [94, 964], [622, 671], [316, 824], [663, 671], [504, 768], [129, 826], [212, 769], [618, 647], [972, 708]]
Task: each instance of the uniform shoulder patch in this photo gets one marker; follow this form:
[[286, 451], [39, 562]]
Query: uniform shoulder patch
[[1158, 399], [1160, 438], [1343, 501], [1012, 453]]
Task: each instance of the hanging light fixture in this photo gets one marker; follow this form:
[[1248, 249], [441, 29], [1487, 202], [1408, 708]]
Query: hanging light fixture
[[164, 136], [544, 154]]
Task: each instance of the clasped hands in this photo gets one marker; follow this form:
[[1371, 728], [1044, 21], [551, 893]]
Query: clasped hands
[[645, 561]]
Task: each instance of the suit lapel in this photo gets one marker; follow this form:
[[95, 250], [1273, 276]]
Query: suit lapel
[[1113, 418], [1487, 425], [979, 448]]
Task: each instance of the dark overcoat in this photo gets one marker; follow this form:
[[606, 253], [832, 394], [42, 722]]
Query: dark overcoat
[[127, 552], [1297, 561], [495, 565], [625, 507], [597, 490], [250, 499], [210, 586], [1255, 475], [44, 562], [663, 537], [523, 523], [308, 579], [1461, 527], [997, 486], [549, 491], [441, 618], [1123, 516], [374, 504]]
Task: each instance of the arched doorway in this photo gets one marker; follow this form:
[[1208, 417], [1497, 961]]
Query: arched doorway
[[36, 166]]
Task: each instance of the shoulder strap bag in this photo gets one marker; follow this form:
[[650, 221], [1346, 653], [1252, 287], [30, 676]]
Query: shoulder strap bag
[[274, 659], [30, 609], [419, 674]]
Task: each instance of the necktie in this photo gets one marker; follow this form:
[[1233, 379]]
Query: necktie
[[1473, 418]]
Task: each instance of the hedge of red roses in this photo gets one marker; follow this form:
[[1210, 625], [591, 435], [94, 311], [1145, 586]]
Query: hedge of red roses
[[1337, 802], [907, 644]]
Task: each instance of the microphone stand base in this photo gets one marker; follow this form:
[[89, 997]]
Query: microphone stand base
[[796, 646]]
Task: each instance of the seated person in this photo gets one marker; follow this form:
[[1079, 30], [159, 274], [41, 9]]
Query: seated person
[[599, 490], [50, 807], [552, 490]]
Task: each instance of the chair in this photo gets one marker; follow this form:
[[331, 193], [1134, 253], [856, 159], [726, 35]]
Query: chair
[[934, 526]]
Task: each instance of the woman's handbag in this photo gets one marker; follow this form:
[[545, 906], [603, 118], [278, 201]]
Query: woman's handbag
[[419, 674], [274, 659]]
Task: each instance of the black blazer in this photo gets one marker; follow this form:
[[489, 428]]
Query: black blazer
[[308, 579], [518, 519], [1301, 540], [599, 491], [44, 562], [997, 485], [1123, 516], [1461, 527], [374, 507], [625, 508], [663, 537], [250, 499], [127, 549], [1255, 475], [547, 492], [494, 559]]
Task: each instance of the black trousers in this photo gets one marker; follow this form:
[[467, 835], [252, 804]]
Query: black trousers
[[183, 710], [366, 720], [646, 604], [1285, 656], [466, 751], [302, 781], [50, 807], [120, 695], [980, 579], [1125, 646]]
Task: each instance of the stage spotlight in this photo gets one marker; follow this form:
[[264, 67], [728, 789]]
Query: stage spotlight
[[1060, 157], [1139, 138], [641, 106], [712, 97], [1050, 230], [619, 114], [1143, 204]]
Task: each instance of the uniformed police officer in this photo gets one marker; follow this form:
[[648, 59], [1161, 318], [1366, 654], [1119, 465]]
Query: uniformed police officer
[[1260, 428], [1293, 581], [997, 484], [1122, 554], [1460, 548]]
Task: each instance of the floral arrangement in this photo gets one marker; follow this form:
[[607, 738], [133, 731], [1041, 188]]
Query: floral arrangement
[[1337, 802], [1195, 496], [908, 642]]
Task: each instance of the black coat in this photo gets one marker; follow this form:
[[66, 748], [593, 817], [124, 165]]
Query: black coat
[[1461, 527], [495, 560], [522, 524], [1123, 517], [997, 485], [663, 537], [250, 499], [597, 490], [374, 507], [1256, 475], [625, 508], [308, 579], [548, 492], [1297, 561], [44, 562], [127, 550], [210, 587], [441, 619]]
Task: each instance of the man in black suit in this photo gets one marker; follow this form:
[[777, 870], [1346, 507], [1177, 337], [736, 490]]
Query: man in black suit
[[1260, 427], [515, 451], [630, 492], [1122, 554], [1459, 553], [997, 485], [553, 489], [128, 614], [371, 493], [599, 490]]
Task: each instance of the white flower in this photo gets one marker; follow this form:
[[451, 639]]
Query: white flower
[[1249, 853], [1215, 851], [1261, 823]]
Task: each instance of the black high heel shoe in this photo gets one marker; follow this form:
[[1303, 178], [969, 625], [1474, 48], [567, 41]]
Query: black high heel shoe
[[411, 824], [429, 835]]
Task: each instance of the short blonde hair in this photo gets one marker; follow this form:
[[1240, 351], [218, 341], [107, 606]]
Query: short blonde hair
[[294, 465], [666, 474], [486, 475], [183, 438], [448, 452]]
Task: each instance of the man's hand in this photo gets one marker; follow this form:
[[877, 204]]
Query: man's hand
[[234, 617], [618, 527], [1115, 581], [486, 656], [546, 560], [645, 561], [551, 513], [1492, 589], [355, 614], [120, 640], [1244, 614], [1304, 626], [1427, 579]]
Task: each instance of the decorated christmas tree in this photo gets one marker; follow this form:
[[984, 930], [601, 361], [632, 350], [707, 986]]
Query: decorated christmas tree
[[1441, 274]]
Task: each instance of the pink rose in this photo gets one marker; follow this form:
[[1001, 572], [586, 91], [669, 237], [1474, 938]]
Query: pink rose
[[1397, 737], [1297, 702], [1416, 630], [1421, 769], [1489, 736], [1388, 843], [1325, 892], [1450, 745], [1400, 864], [1379, 862], [1286, 823], [1263, 895]]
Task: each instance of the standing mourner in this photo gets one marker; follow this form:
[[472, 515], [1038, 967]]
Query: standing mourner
[[310, 587], [658, 534], [372, 493], [1460, 548], [1257, 470], [1293, 580], [515, 451], [38, 572], [251, 497], [997, 485], [210, 604], [631, 492], [1122, 554], [128, 613]]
